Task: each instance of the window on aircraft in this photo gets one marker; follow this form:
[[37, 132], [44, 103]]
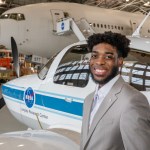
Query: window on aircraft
[[118, 27], [148, 31], [4, 16], [137, 74], [17, 16], [121, 28], [20, 17], [98, 25], [101, 25], [66, 14], [108, 26], [13, 16], [57, 14], [112, 26], [94, 25], [105, 26], [73, 69], [115, 27], [43, 72]]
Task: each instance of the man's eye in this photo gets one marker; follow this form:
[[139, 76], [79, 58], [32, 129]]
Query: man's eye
[[93, 56], [109, 57]]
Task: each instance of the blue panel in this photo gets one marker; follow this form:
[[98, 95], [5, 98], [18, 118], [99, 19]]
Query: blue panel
[[74, 108], [11, 92]]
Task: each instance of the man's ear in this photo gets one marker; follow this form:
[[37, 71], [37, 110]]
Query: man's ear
[[120, 61]]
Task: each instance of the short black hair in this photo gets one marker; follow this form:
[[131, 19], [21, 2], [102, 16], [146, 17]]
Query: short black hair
[[119, 41]]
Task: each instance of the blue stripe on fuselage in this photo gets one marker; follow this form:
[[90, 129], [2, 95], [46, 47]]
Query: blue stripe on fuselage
[[59, 104]]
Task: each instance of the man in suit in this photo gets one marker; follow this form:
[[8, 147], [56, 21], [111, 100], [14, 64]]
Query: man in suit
[[116, 116]]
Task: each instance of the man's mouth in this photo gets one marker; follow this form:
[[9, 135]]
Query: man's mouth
[[99, 72]]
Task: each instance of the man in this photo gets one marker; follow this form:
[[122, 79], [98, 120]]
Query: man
[[116, 116]]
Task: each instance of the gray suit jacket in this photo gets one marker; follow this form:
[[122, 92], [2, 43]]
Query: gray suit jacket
[[121, 122]]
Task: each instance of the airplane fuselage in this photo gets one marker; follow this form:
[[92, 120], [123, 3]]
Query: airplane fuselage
[[33, 27]]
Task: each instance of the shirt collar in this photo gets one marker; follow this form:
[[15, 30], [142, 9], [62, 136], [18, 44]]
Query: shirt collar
[[106, 88]]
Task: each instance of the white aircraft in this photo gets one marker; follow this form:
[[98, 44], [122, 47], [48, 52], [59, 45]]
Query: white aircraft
[[54, 98], [31, 29]]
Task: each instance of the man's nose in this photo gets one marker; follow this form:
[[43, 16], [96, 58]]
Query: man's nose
[[101, 60]]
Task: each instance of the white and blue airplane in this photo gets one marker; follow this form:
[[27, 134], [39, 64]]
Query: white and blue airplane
[[31, 29], [54, 97]]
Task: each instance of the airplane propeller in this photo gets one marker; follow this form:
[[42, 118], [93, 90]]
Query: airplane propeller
[[15, 56], [2, 103]]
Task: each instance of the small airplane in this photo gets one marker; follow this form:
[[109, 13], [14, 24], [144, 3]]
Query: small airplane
[[31, 29], [54, 97]]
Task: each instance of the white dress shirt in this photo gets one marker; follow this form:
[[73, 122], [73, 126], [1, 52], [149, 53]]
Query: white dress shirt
[[99, 96]]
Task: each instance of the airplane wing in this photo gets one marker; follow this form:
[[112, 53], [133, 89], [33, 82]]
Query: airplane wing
[[141, 44], [36, 140]]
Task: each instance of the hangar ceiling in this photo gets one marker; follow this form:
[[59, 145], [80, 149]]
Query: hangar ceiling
[[139, 6]]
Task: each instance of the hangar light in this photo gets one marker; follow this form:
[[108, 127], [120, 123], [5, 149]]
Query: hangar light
[[147, 4], [2, 2]]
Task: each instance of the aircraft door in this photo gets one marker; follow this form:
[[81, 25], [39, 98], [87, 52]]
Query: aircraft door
[[56, 15]]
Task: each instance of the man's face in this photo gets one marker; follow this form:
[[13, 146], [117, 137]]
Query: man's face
[[104, 63]]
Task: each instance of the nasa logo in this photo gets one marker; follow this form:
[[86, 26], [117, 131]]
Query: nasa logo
[[62, 25], [29, 97]]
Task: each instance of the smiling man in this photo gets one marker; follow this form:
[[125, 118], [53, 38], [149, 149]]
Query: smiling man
[[116, 116]]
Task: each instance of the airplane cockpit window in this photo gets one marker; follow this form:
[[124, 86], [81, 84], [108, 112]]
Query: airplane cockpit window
[[73, 69], [20, 17], [4, 16], [15, 16], [137, 74], [136, 70]]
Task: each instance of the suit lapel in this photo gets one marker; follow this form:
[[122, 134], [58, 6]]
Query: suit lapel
[[86, 118], [108, 101]]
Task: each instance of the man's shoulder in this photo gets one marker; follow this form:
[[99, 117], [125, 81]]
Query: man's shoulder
[[126, 86]]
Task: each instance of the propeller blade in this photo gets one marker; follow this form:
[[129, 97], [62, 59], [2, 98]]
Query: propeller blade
[[2, 103], [15, 56]]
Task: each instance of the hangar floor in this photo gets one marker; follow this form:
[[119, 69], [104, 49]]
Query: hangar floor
[[8, 122]]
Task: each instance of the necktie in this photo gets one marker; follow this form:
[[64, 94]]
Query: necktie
[[94, 108], [95, 101]]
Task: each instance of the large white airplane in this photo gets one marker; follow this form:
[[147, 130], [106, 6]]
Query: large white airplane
[[31, 29]]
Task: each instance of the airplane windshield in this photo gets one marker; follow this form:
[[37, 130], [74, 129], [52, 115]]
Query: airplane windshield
[[73, 69], [14, 16], [43, 72]]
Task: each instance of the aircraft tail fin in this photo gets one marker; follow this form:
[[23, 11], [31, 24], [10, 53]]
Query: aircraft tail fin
[[136, 33]]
